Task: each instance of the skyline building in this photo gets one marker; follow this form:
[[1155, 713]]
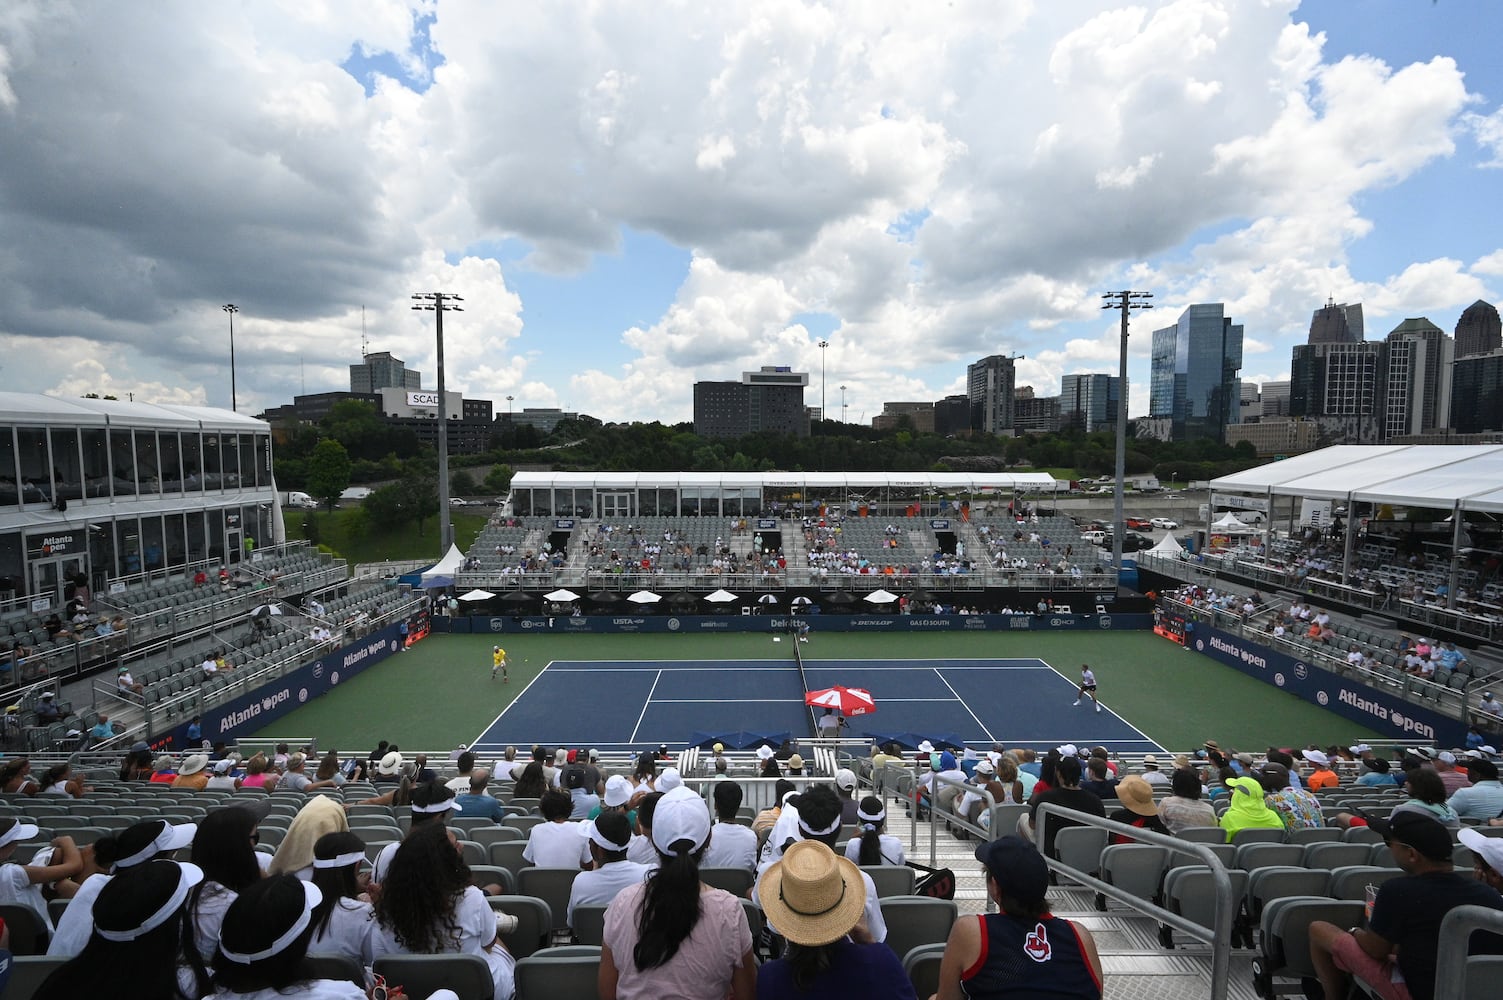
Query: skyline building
[[1193, 389], [1089, 401], [990, 388], [769, 400], [1337, 324], [1477, 393], [1479, 330], [379, 370]]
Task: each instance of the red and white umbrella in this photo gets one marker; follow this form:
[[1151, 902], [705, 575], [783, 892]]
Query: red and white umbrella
[[846, 701]]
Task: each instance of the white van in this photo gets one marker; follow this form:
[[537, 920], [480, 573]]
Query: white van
[[1094, 537]]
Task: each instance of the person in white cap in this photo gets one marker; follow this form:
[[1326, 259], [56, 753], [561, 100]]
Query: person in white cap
[[1452, 777], [1087, 686], [136, 845], [672, 935], [135, 946], [1487, 856], [1322, 776], [845, 787], [1490, 708], [607, 836], [21, 885]]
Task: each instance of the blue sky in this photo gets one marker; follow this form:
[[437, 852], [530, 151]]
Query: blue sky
[[632, 197]]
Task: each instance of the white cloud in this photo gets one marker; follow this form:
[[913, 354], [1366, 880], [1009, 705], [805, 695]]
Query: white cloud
[[1488, 131]]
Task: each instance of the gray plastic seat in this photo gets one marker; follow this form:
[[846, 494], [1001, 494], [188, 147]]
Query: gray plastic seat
[[1330, 856], [552, 886], [1134, 868], [1351, 881], [1284, 938], [890, 880], [916, 920], [421, 975], [534, 922], [1191, 892]]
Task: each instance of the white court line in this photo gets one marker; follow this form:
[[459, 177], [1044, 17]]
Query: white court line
[[645, 705], [721, 701], [963, 705], [525, 688]]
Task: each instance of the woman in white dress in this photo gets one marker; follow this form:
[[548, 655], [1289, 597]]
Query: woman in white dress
[[343, 922], [224, 849]]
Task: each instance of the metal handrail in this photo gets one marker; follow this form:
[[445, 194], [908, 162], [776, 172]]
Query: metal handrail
[[1218, 937], [1451, 972]]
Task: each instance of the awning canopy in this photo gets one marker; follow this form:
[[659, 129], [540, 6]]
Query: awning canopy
[[1421, 475]]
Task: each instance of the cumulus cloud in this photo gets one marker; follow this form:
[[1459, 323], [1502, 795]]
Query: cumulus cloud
[[945, 183]]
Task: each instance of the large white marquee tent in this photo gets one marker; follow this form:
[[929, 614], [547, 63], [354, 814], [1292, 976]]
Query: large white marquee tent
[[1449, 477]]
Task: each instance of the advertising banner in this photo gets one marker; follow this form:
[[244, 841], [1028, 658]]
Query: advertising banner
[[613, 624]]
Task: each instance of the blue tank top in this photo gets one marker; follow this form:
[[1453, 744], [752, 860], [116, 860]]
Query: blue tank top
[[1018, 959]]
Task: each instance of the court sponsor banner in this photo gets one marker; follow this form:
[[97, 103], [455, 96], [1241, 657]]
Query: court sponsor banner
[[274, 700], [613, 624], [1382, 710]]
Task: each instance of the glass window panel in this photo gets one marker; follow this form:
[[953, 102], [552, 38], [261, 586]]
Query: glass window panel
[[36, 474], [229, 458], [10, 489], [647, 502], [247, 445], [263, 459], [215, 522], [197, 546], [151, 535], [148, 465], [193, 472], [96, 463], [172, 540], [169, 462], [542, 503], [213, 463], [128, 545], [521, 503], [11, 573], [123, 465], [67, 467]]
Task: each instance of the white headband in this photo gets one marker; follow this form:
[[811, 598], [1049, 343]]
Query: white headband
[[834, 825], [188, 877], [311, 898], [340, 861], [441, 806], [600, 840], [877, 817]]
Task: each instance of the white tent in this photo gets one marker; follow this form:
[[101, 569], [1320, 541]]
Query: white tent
[[477, 595], [721, 597], [1168, 546], [644, 597], [441, 573], [881, 597], [1436, 476], [1230, 523], [561, 596]]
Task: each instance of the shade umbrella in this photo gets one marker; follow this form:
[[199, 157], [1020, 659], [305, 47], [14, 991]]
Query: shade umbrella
[[840, 597], [477, 595], [605, 597], [681, 599], [880, 597], [845, 700], [921, 595], [721, 597], [799, 602], [266, 610], [644, 597], [768, 599], [518, 597], [561, 596]]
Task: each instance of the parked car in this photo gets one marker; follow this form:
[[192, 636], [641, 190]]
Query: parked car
[[1141, 523], [1164, 522], [458, 502]]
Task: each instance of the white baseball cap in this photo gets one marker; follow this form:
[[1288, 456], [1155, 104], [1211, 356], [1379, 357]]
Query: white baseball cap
[[680, 815], [845, 778], [669, 780], [1490, 849]]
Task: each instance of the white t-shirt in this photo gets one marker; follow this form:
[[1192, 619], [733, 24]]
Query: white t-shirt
[[557, 845], [475, 923], [382, 863], [599, 887], [316, 989], [17, 889], [731, 846], [213, 900], [641, 851], [349, 930], [77, 923], [890, 846]]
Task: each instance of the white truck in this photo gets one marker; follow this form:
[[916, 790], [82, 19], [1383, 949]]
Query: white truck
[[301, 501]]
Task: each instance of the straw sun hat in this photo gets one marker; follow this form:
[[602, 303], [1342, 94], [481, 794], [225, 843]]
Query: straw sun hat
[[811, 896]]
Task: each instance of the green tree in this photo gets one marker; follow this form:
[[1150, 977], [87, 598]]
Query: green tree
[[461, 483], [328, 473], [498, 480], [386, 508], [419, 490]]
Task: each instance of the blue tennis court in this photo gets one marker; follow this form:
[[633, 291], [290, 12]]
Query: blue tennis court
[[637, 704]]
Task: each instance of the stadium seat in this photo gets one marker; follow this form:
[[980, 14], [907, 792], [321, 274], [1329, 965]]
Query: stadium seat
[[1134, 868], [422, 975], [1351, 881], [552, 886], [325, 966], [486, 836], [922, 966], [534, 923], [1191, 892], [589, 924], [1259, 835], [916, 920], [28, 934], [892, 880], [508, 854], [1315, 835], [1275, 883], [736, 881], [1284, 948], [484, 875], [28, 972], [1203, 835], [558, 973], [1329, 856], [1261, 855], [1080, 847]]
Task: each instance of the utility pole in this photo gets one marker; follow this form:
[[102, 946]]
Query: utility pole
[[842, 404], [823, 344], [439, 303], [232, 309], [1126, 302]]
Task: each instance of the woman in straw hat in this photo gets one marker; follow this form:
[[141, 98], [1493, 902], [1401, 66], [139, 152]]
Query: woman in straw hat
[[816, 900], [674, 936], [1138, 808], [141, 943]]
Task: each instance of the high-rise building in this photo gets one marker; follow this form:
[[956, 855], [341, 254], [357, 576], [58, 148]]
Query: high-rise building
[[1417, 378], [1089, 401], [1477, 393], [769, 400], [920, 416], [1034, 414], [382, 371], [1274, 397], [1337, 324], [952, 415], [989, 386], [1193, 390], [1479, 330], [1337, 384]]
